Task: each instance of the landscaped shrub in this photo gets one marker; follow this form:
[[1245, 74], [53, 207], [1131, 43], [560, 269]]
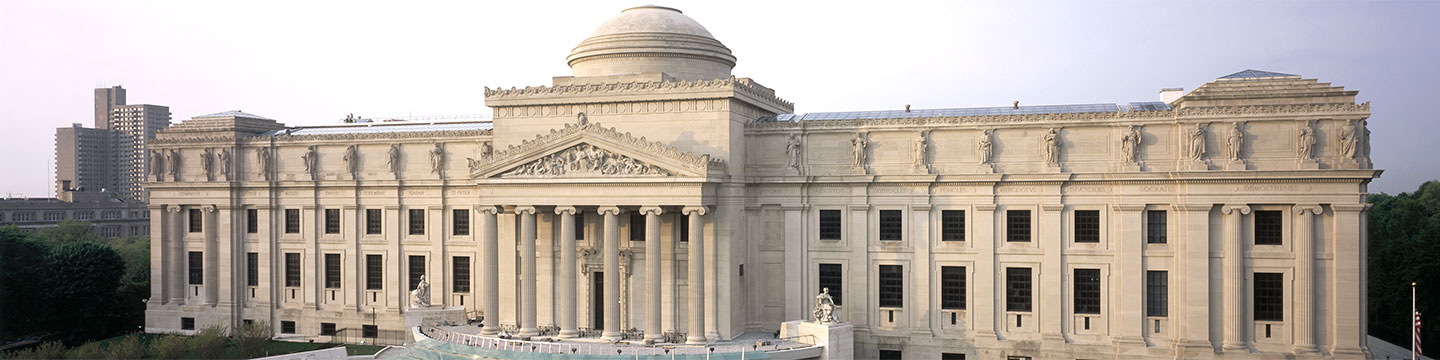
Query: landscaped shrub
[[168, 347], [90, 350], [127, 348], [251, 338], [208, 342], [47, 350]]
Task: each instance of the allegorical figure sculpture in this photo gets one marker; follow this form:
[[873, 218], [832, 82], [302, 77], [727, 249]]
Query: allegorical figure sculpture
[[207, 162], [1306, 142], [859, 144], [1235, 139], [225, 162], [394, 161], [157, 163], [793, 150], [1052, 146], [920, 149], [352, 160], [1130, 144], [420, 297], [824, 310], [263, 157], [311, 160], [984, 148], [1348, 140], [1197, 143], [175, 164], [437, 158]]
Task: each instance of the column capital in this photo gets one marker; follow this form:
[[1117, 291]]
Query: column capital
[[209, 208], [565, 210], [697, 210], [1350, 207], [1129, 207], [647, 210], [1313, 209], [920, 207], [525, 210], [1194, 207], [608, 210], [1052, 207], [484, 209], [1228, 208], [172, 208], [986, 207], [859, 207]]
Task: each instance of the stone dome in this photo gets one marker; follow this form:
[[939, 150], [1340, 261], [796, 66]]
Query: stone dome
[[650, 39]]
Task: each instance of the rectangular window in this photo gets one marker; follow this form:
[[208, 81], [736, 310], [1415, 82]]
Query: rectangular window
[[892, 225], [374, 272], [580, 225], [287, 327], [332, 221], [187, 323], [373, 218], [1087, 291], [637, 227], [1017, 289], [417, 269], [461, 272], [460, 222], [252, 269], [831, 277], [332, 271], [952, 287], [252, 221], [292, 221], [292, 269], [830, 224], [369, 331], [196, 221], [1155, 221], [327, 329], [1269, 227], [684, 228], [952, 356], [1269, 296], [1087, 226], [417, 221], [197, 268], [1157, 292], [891, 355], [892, 286], [1017, 225], [952, 225]]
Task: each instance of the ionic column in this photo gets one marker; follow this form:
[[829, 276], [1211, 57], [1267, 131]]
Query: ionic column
[[1305, 278], [176, 243], [652, 272], [567, 271], [1234, 280], [211, 268], [612, 273], [490, 263], [696, 279], [159, 287], [527, 271]]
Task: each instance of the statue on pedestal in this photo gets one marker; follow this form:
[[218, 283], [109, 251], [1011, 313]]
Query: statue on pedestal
[[420, 297], [824, 311]]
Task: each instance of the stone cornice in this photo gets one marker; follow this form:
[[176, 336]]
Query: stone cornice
[[261, 139], [1361, 110], [732, 84], [701, 164]]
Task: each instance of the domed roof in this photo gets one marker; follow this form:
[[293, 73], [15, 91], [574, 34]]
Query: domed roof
[[649, 39]]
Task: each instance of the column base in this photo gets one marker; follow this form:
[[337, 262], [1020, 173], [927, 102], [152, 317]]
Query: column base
[[1306, 349], [610, 335], [526, 332], [489, 330], [713, 336], [1230, 346], [695, 339], [565, 334], [652, 337]]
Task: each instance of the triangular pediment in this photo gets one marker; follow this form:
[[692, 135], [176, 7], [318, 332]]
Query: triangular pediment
[[592, 151]]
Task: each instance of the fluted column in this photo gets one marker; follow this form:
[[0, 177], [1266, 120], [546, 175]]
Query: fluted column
[[567, 271], [527, 271], [696, 279], [211, 267], [1234, 277], [652, 272], [176, 244], [1305, 278], [490, 263], [612, 273]]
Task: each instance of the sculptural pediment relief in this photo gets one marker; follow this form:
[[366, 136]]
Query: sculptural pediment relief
[[589, 150]]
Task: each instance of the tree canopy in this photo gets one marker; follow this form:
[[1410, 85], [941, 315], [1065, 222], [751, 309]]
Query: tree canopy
[[1403, 247]]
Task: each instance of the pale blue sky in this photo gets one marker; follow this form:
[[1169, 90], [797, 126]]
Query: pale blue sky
[[309, 63]]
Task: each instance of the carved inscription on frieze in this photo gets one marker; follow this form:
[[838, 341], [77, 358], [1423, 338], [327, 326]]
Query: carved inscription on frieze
[[1019, 190], [1088, 189], [955, 190], [1266, 188], [1157, 188], [373, 192]]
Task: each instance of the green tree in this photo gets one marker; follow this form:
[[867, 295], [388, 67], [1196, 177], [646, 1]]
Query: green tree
[[1404, 242], [23, 285], [84, 281], [70, 232], [135, 285]]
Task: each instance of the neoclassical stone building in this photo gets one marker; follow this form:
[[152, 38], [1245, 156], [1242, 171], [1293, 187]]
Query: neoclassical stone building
[[653, 190]]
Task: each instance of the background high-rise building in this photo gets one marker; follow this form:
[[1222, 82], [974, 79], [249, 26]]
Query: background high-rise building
[[105, 100], [108, 161], [134, 126], [84, 163]]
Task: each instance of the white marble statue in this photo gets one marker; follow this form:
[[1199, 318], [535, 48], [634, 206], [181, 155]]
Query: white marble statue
[[1306, 142], [394, 161], [859, 144], [1348, 140], [1236, 139], [792, 149], [920, 147], [207, 162], [311, 159], [267, 163], [157, 163], [1052, 146], [1197, 143], [224, 162], [1130, 144], [175, 164], [352, 160], [420, 297], [437, 158], [824, 310], [985, 149]]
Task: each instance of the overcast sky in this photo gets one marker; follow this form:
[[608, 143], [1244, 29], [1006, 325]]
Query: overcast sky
[[310, 63]]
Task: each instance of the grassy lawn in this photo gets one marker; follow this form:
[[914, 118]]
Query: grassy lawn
[[231, 352]]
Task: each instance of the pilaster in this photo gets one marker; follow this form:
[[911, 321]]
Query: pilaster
[[1234, 277]]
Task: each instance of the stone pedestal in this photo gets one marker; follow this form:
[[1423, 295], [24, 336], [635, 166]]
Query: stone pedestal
[[838, 339], [1199, 165], [1053, 169], [1309, 164], [434, 316], [1233, 165], [1128, 167], [985, 168]]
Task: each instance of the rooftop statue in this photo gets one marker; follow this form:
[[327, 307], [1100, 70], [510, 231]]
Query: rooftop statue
[[824, 311]]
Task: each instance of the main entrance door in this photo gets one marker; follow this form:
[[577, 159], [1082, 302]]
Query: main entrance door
[[597, 300]]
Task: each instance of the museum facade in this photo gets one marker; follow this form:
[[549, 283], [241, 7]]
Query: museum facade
[[655, 196]]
